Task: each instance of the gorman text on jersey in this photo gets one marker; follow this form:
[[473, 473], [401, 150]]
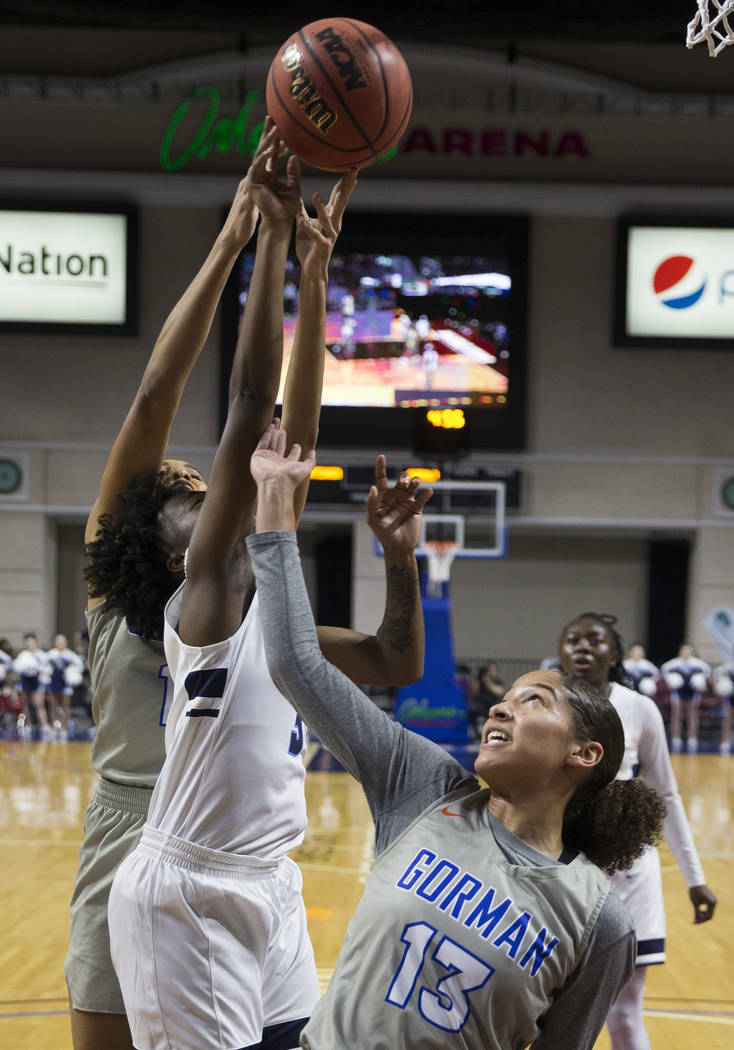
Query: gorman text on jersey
[[467, 899]]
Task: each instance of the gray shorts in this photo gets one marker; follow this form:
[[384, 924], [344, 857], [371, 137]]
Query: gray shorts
[[112, 828]]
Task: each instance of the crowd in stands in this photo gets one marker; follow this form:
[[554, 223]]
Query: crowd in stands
[[41, 688]]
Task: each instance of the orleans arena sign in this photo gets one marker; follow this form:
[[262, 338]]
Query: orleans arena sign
[[202, 127], [476, 116]]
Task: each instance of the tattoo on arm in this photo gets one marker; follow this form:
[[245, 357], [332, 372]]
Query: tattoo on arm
[[397, 628]]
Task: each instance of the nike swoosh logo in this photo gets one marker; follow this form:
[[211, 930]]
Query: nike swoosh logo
[[448, 813]]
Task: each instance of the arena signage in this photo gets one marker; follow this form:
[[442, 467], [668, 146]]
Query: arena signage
[[676, 282], [197, 130], [66, 268]]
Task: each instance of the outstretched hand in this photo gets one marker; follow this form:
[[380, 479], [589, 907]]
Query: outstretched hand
[[704, 903], [316, 237], [394, 514], [270, 462], [278, 201]]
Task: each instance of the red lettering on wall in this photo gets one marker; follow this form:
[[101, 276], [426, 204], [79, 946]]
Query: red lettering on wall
[[523, 143], [419, 138], [455, 141], [571, 142], [494, 143]]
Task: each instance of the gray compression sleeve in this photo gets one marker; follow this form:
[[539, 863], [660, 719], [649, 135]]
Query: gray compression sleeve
[[400, 772]]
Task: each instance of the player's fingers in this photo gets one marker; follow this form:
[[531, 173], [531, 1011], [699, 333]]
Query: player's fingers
[[421, 498], [381, 473], [294, 452], [341, 193], [293, 174]]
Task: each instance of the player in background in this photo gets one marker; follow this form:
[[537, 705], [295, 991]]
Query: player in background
[[591, 647], [642, 673], [481, 922], [687, 678]]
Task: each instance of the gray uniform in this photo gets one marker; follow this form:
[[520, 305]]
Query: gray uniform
[[130, 693], [466, 936]]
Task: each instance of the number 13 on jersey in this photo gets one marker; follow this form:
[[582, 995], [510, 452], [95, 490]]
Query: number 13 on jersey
[[446, 1006]]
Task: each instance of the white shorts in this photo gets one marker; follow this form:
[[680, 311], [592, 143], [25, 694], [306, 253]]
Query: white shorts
[[641, 891], [209, 947]]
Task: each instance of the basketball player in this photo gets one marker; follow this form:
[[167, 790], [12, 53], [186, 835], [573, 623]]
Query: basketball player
[[481, 919], [129, 586], [591, 647], [207, 924], [687, 678]]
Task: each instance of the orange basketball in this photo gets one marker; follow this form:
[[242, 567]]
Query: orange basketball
[[340, 92]]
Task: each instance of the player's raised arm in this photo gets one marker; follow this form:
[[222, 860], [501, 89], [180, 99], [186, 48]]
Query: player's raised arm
[[214, 597], [315, 240], [394, 655], [141, 443]]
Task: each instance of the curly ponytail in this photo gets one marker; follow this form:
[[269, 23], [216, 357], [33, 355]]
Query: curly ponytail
[[610, 821], [614, 824]]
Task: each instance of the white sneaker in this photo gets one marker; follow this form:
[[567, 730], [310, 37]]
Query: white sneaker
[[676, 745], [692, 745], [724, 748]]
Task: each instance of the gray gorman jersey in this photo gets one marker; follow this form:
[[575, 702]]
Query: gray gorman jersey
[[130, 690], [452, 945]]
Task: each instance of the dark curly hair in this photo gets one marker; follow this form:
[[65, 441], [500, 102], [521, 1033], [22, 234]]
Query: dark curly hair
[[611, 821], [607, 621], [125, 564]]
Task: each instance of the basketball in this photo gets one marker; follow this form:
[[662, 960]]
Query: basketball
[[340, 92]]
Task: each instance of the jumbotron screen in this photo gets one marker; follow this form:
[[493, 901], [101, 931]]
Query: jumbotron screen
[[405, 331], [431, 316]]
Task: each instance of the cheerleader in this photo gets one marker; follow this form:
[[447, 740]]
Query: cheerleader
[[643, 674], [67, 670], [33, 670], [687, 678]]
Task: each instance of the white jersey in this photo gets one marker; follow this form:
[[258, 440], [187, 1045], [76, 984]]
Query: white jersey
[[233, 778], [646, 754]]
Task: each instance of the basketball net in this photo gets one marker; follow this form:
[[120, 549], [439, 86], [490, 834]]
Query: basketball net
[[440, 554], [712, 25]]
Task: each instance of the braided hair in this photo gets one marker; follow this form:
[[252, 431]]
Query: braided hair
[[611, 821], [617, 673], [125, 562]]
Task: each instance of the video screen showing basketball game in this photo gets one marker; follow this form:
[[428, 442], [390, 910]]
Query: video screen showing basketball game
[[426, 312], [408, 331]]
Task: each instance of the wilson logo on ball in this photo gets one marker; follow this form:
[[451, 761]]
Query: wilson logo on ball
[[342, 58], [678, 282], [303, 91]]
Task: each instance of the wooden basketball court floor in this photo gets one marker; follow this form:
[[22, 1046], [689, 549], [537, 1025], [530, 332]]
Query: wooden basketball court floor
[[44, 789]]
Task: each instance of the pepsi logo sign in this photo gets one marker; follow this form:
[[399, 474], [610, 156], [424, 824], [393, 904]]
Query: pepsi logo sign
[[678, 282]]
